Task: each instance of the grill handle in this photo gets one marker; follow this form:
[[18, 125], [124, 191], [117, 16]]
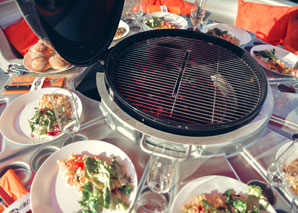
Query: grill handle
[[151, 151]]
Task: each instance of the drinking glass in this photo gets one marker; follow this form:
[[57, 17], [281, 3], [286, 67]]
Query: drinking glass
[[162, 168], [65, 108], [197, 14], [136, 12], [278, 172], [151, 202], [125, 10]]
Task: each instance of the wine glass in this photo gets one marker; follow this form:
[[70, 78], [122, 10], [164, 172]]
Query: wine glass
[[279, 173], [136, 12], [66, 109], [161, 173], [150, 202], [125, 10], [162, 168], [197, 14]]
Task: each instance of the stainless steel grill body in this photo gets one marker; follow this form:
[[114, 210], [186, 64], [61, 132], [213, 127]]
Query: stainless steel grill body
[[227, 143]]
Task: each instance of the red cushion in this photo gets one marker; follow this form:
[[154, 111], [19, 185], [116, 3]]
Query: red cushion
[[269, 23], [172, 5], [291, 39], [21, 36]]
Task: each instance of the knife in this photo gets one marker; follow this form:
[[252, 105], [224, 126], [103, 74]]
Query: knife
[[17, 87]]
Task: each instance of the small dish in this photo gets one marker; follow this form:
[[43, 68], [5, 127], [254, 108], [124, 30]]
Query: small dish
[[122, 25]]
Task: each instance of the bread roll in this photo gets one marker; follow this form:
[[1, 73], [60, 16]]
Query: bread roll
[[42, 57], [57, 62], [40, 64]]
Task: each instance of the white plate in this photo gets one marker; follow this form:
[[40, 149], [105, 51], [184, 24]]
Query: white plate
[[49, 192], [171, 17], [14, 124], [49, 71], [287, 57], [243, 36], [208, 184], [122, 24]]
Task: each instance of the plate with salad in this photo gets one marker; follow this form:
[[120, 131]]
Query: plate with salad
[[122, 30], [220, 193], [164, 20], [229, 33], [30, 119], [85, 176], [275, 59]]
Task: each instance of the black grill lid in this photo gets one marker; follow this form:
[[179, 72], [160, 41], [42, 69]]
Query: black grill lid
[[80, 30]]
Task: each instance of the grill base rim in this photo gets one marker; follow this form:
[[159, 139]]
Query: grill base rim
[[132, 128]]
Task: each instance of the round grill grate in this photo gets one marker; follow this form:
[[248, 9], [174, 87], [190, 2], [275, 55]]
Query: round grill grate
[[186, 82]]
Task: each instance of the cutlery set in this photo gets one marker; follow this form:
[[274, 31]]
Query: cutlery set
[[14, 85]]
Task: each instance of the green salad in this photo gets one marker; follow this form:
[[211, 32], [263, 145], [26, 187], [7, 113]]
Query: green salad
[[44, 122], [107, 186]]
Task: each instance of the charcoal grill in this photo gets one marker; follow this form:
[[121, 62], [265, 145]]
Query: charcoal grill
[[170, 85], [185, 83]]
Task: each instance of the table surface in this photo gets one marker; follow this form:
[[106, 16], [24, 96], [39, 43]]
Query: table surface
[[249, 163]]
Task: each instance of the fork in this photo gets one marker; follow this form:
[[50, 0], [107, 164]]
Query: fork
[[17, 69]]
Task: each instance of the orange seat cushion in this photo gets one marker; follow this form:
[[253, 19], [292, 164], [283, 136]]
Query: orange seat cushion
[[21, 36], [291, 40], [174, 6], [268, 22]]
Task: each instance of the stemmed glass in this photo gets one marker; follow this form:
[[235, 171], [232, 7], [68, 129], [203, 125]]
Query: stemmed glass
[[66, 111], [279, 173], [161, 174], [197, 14], [150, 202], [162, 169], [136, 12]]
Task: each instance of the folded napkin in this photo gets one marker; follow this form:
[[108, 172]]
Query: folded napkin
[[24, 81], [12, 186], [21, 36]]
